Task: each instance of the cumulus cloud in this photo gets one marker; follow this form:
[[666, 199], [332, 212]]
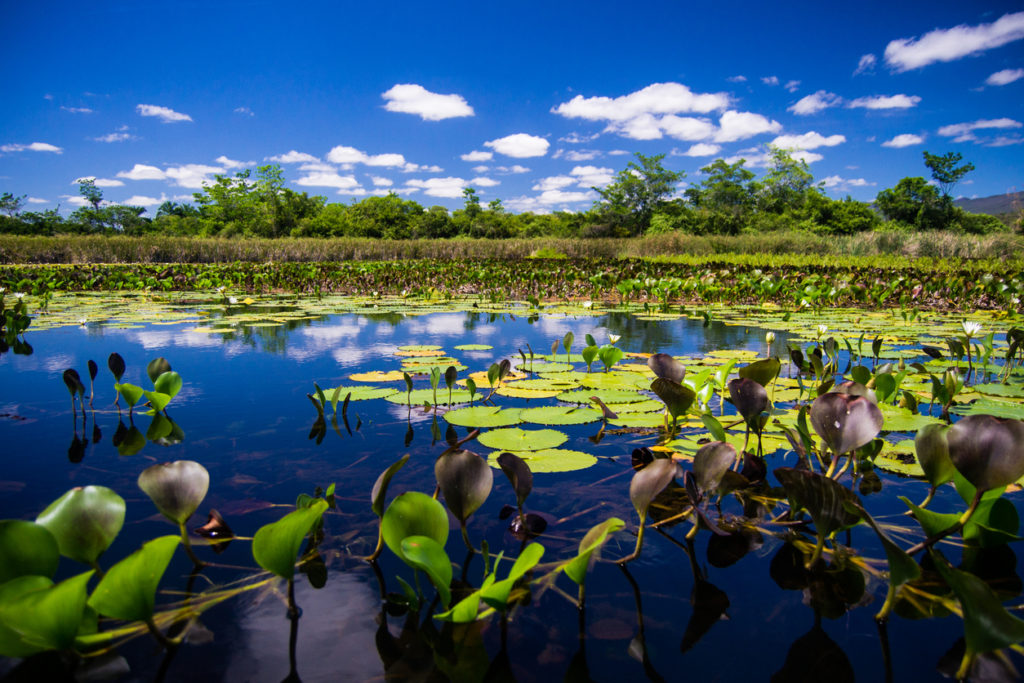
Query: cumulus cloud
[[792, 86], [381, 182], [143, 200], [450, 188], [1005, 77], [576, 138], [165, 114], [947, 45], [115, 137], [99, 182], [812, 104], [806, 157], [964, 132], [519, 146], [187, 175], [77, 110], [834, 182], [349, 156], [409, 98], [576, 155], [32, 147], [687, 128], [809, 140], [735, 125], [702, 149], [484, 182], [553, 183], [770, 80], [548, 200], [903, 140], [294, 157], [885, 102], [328, 179], [143, 172], [37, 200], [515, 168], [866, 64], [231, 164], [592, 176], [316, 166], [477, 155]]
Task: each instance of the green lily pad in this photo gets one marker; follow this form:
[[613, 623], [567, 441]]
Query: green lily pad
[[418, 396], [1003, 409], [550, 460], [1005, 390], [483, 416], [560, 415], [515, 439], [609, 396], [902, 420], [473, 347], [615, 380], [361, 393], [653, 420]]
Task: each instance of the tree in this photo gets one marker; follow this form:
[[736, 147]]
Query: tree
[[915, 203], [788, 183], [94, 195], [10, 204], [945, 171], [637, 192]]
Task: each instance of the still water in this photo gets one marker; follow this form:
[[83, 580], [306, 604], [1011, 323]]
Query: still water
[[245, 416]]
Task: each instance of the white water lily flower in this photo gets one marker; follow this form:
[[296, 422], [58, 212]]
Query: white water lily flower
[[19, 295], [804, 303], [220, 289], [2, 290], [83, 321], [612, 338], [588, 304], [822, 329], [232, 300], [970, 328]]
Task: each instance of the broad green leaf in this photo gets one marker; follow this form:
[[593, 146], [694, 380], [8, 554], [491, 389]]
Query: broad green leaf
[[711, 462], [46, 618], [824, 499], [610, 355], [423, 552], [933, 454], [128, 589], [157, 367], [518, 473], [131, 393], [157, 400], [559, 415], [988, 451], [761, 371], [26, 548], [168, 383], [276, 545], [677, 397], [550, 460], [483, 416], [515, 439], [496, 595], [576, 568], [84, 521], [413, 514]]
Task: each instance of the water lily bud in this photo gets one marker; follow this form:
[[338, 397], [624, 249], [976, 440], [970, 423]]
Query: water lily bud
[[770, 337]]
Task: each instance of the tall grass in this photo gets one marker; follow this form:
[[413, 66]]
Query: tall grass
[[76, 249]]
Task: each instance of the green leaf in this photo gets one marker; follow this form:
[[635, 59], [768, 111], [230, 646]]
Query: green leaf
[[496, 595], [761, 371], [26, 548], [168, 383], [176, 488], [413, 514], [933, 523], [822, 497], [677, 397], [158, 401], [550, 460], [128, 589], [465, 480], [483, 416], [157, 367], [85, 521], [987, 625], [559, 415], [380, 487], [902, 567], [576, 568], [933, 454], [276, 545], [131, 393], [423, 552], [515, 439], [610, 355], [41, 617]]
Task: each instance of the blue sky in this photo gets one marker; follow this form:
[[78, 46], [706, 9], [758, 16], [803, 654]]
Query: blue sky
[[529, 102]]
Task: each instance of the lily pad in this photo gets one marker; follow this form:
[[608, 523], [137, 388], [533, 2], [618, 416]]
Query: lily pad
[[609, 396], [483, 416], [560, 415], [377, 376], [550, 460], [418, 396], [473, 347], [361, 393], [902, 420], [515, 439]]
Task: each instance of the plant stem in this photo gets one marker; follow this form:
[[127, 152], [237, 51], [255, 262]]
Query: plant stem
[[465, 537], [380, 543], [639, 543], [928, 542], [161, 638], [188, 546]]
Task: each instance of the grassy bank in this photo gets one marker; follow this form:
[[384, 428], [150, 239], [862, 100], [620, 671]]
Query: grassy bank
[[74, 249]]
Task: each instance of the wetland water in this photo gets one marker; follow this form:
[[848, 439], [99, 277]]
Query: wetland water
[[710, 611]]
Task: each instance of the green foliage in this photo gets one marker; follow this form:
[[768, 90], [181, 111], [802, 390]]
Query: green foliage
[[945, 171], [275, 545], [128, 589], [85, 521], [636, 193]]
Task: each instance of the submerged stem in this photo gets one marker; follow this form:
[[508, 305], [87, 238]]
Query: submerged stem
[[188, 546], [639, 543], [964, 518]]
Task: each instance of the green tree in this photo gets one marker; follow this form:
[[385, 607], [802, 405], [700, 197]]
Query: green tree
[[945, 171], [637, 192], [787, 185], [915, 203], [10, 204], [94, 195]]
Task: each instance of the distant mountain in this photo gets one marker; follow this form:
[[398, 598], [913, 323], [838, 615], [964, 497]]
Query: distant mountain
[[994, 205]]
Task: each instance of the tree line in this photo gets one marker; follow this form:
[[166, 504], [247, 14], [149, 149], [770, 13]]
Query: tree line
[[642, 199]]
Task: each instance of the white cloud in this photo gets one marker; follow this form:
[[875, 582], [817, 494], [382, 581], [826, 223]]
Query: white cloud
[[687, 128], [477, 155], [515, 168], [115, 137], [347, 156], [191, 175], [812, 104], [385, 160], [231, 164], [1005, 77], [484, 182], [809, 140], [143, 200], [519, 146], [549, 199], [838, 183], [592, 176], [409, 98], [36, 200], [32, 147], [553, 183], [76, 200], [576, 138], [99, 182], [866, 64], [885, 102], [947, 45], [737, 79], [165, 114], [903, 140], [381, 182], [792, 86], [328, 179], [411, 168], [576, 155], [143, 172], [450, 188], [770, 80], [77, 110], [806, 157], [244, 111], [702, 149], [1004, 141], [293, 157], [964, 132], [481, 169], [317, 166], [655, 99], [735, 125]]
